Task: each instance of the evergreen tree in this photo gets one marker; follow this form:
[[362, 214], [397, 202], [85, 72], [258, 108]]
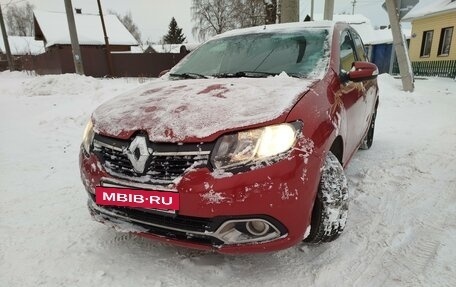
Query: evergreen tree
[[175, 35]]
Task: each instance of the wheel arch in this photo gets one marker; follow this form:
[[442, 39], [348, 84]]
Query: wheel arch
[[337, 148]]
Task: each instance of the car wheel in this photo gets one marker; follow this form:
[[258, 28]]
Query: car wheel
[[369, 138], [329, 214]]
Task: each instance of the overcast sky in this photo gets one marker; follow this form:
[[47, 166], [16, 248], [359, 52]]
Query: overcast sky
[[153, 16]]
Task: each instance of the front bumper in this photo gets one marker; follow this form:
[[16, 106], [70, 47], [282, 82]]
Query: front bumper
[[281, 194]]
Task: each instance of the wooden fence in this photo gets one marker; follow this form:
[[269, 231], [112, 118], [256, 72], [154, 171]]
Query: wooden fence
[[60, 61]]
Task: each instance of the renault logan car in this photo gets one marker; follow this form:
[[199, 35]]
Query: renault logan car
[[241, 146]]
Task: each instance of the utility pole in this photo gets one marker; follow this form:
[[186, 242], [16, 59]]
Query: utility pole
[[74, 38], [108, 49], [289, 11], [400, 47], [5, 40], [329, 10], [312, 10], [353, 9]]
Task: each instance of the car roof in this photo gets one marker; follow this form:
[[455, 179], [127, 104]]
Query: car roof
[[285, 27]]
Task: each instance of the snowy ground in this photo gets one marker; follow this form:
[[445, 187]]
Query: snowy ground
[[401, 230]]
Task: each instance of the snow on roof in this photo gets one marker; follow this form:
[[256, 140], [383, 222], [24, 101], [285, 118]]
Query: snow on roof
[[54, 27], [359, 22], [174, 48], [437, 7], [277, 28], [385, 36], [22, 46]]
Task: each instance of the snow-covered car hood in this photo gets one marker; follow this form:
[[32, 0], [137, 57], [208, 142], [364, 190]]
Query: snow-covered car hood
[[200, 109]]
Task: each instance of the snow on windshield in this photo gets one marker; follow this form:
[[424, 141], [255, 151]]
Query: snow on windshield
[[299, 52]]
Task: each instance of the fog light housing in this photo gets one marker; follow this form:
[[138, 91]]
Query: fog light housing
[[247, 231]]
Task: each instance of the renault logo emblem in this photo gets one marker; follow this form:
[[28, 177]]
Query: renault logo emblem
[[138, 153]]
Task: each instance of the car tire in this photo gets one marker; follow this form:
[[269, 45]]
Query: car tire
[[369, 138], [329, 214]]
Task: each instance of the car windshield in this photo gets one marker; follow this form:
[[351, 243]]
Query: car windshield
[[299, 53]]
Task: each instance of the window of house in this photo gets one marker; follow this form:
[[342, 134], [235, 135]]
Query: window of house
[[445, 41], [426, 44]]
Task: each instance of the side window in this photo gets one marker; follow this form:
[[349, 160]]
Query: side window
[[360, 51], [347, 51]]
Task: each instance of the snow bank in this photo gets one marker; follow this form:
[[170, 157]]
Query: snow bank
[[67, 84]]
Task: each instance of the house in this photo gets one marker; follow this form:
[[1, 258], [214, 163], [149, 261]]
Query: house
[[184, 48], [381, 50], [433, 43], [359, 22], [21, 46], [52, 28]]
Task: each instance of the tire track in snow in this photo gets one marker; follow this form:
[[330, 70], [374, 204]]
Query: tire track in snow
[[403, 255]]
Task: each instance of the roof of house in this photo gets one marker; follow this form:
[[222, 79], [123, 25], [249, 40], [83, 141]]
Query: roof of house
[[22, 45], [436, 7], [385, 36], [53, 27], [173, 48], [359, 22]]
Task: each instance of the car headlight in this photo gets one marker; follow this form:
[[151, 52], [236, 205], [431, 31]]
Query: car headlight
[[254, 145], [87, 138]]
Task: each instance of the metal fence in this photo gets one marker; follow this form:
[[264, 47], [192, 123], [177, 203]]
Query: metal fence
[[445, 69]]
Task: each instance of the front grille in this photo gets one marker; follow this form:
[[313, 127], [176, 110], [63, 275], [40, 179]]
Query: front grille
[[166, 163], [185, 224], [170, 220]]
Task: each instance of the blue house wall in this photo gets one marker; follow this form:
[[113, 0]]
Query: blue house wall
[[381, 56]]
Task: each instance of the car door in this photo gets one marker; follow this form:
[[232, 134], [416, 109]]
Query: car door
[[351, 93], [369, 88]]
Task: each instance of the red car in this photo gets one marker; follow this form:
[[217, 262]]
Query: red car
[[240, 148]]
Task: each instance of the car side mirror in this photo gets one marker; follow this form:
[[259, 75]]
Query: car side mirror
[[363, 71], [163, 72]]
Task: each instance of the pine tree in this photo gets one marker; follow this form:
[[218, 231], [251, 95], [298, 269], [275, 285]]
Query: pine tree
[[175, 35]]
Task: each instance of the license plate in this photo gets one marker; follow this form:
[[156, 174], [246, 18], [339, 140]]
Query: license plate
[[150, 199]]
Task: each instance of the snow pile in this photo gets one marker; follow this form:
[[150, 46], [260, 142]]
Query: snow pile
[[400, 230], [68, 83]]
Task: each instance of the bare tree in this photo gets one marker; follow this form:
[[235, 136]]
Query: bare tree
[[128, 22], [212, 17], [250, 12], [217, 16], [19, 20]]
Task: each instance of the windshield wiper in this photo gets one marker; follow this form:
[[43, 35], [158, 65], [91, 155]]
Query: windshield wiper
[[296, 75], [189, 76], [249, 74]]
